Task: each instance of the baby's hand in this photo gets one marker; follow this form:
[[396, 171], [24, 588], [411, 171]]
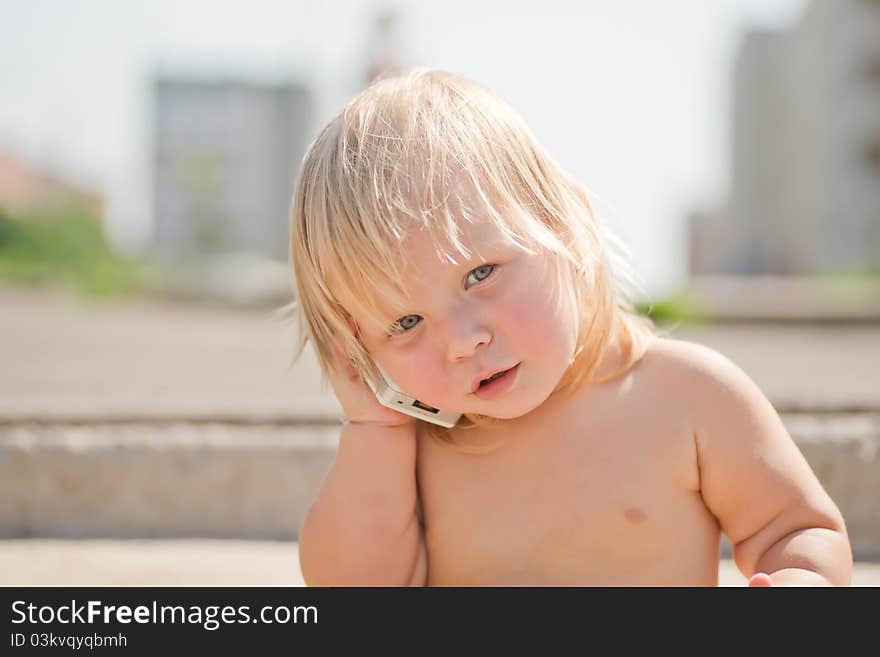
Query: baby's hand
[[356, 398], [760, 580]]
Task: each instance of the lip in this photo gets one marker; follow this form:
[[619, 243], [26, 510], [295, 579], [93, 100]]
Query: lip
[[476, 384]]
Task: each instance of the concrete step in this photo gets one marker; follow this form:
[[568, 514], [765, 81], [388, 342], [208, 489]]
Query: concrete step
[[798, 299], [156, 480], [246, 481]]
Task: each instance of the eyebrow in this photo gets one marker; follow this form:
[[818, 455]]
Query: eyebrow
[[492, 246]]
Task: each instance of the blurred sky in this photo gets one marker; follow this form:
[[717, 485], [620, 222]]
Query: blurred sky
[[631, 96]]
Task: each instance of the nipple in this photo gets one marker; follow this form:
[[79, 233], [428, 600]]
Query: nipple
[[634, 515]]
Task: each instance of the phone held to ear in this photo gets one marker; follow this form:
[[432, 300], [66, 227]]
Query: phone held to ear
[[390, 395]]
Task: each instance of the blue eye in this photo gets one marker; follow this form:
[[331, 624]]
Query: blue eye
[[482, 273], [408, 322], [405, 323]]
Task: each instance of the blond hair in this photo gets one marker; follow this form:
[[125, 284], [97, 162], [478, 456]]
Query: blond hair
[[425, 150]]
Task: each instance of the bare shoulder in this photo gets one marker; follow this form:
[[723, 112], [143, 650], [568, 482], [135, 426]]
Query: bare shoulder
[[753, 477], [714, 389], [732, 419], [682, 358], [689, 368]]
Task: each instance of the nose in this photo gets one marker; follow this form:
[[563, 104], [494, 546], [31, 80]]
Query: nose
[[464, 335]]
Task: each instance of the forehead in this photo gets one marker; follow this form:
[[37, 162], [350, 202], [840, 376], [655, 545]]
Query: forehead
[[421, 249]]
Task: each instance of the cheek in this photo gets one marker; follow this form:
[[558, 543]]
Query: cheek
[[419, 375], [534, 317]]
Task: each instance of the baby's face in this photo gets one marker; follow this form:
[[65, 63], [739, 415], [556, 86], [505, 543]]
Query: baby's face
[[464, 322]]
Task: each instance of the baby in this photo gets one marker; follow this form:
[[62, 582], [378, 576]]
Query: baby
[[431, 235]]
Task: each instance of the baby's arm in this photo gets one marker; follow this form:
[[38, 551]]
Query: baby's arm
[[362, 529], [757, 483]]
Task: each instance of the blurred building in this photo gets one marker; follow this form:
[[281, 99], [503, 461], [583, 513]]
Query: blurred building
[[25, 188], [226, 159], [805, 187]]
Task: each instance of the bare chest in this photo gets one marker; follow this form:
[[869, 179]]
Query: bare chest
[[608, 501]]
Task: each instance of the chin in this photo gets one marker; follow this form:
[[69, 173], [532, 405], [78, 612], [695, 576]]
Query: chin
[[513, 412]]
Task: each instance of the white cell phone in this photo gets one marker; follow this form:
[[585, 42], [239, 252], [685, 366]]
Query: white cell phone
[[389, 394]]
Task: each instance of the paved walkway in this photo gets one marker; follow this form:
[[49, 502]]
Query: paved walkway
[[71, 359], [29, 562]]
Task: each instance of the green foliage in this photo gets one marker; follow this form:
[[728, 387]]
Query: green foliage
[[868, 273], [63, 248], [676, 309]]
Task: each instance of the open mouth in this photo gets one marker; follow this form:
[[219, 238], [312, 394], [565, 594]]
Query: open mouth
[[497, 384], [493, 377]]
